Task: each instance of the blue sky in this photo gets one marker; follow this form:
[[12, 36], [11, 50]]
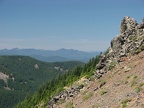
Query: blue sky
[[87, 25]]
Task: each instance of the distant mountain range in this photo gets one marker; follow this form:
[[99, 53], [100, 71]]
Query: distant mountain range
[[52, 55]]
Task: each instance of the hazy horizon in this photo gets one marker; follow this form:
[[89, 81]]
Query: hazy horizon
[[48, 49], [84, 25]]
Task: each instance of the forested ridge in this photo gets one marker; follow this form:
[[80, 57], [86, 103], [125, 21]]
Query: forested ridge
[[51, 88], [22, 76]]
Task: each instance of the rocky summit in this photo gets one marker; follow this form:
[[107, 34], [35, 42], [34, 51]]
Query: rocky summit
[[119, 78], [129, 42]]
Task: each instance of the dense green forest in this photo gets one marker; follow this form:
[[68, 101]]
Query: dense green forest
[[43, 95], [25, 76]]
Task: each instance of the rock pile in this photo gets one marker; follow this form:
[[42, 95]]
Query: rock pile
[[129, 42], [62, 96]]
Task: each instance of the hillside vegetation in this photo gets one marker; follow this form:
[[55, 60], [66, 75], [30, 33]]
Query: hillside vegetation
[[21, 76], [40, 99]]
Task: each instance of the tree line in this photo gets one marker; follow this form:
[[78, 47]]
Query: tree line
[[51, 88]]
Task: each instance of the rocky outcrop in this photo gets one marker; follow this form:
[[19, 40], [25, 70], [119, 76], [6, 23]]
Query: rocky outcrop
[[62, 96], [129, 42]]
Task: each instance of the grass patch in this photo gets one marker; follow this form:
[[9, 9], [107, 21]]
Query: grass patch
[[103, 92], [128, 76], [135, 77], [124, 102], [101, 81], [137, 89], [87, 96], [112, 65], [141, 84], [134, 82], [138, 50]]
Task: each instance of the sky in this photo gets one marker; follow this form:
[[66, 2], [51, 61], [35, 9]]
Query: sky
[[86, 25]]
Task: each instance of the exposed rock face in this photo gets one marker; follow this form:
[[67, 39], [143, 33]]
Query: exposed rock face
[[129, 42], [36, 66], [4, 77]]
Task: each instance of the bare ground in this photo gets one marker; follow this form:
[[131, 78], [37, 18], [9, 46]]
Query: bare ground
[[124, 88]]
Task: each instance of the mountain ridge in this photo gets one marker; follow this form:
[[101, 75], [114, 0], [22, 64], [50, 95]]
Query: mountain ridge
[[47, 55]]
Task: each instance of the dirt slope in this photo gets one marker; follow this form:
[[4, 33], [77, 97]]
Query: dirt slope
[[123, 86]]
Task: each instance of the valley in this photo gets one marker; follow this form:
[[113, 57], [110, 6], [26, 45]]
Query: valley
[[21, 76]]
